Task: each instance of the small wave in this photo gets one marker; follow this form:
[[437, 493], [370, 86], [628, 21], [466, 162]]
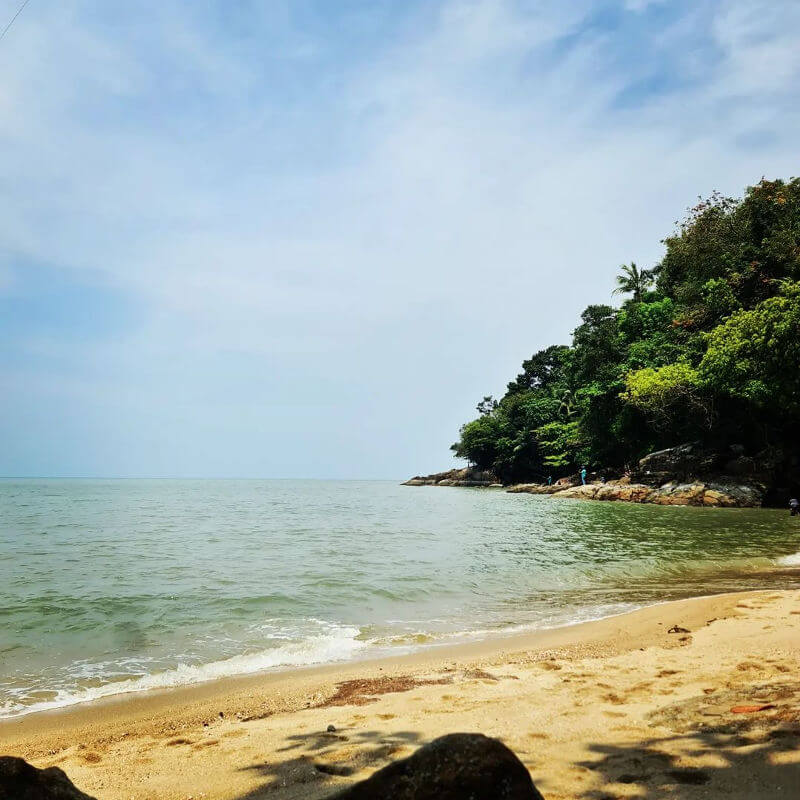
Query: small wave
[[790, 561], [339, 644]]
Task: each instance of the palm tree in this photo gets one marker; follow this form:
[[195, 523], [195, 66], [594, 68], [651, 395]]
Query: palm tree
[[633, 281], [567, 408]]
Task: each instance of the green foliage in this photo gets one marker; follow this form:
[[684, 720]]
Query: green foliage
[[719, 299], [755, 355], [711, 351], [558, 442], [650, 388]]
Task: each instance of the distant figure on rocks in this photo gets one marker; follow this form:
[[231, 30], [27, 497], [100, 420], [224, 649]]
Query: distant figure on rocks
[[794, 507], [549, 480], [583, 476]]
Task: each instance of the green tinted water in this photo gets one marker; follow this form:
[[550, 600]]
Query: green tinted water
[[109, 586]]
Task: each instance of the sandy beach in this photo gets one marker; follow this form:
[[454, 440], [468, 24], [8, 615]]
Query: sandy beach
[[620, 707]]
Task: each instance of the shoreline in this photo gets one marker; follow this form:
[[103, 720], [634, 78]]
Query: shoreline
[[203, 727], [468, 640]]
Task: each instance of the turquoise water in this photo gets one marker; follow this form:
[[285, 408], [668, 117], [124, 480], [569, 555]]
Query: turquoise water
[[117, 586]]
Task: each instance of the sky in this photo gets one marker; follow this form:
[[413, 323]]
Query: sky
[[303, 238]]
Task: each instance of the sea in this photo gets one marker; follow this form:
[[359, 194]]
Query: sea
[[119, 586]]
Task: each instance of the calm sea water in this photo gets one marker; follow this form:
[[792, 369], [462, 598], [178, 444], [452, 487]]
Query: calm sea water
[[118, 586]]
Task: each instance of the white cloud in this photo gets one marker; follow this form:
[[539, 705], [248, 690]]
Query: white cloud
[[447, 207]]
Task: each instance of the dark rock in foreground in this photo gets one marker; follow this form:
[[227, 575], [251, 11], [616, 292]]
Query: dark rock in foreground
[[19, 780], [460, 766]]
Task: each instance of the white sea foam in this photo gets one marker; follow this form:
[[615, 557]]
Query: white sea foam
[[790, 561], [337, 644]]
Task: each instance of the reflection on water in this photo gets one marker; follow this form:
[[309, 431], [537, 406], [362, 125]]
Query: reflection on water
[[143, 583]]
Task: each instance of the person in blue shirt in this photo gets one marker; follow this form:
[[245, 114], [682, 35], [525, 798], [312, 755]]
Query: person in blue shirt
[[583, 475]]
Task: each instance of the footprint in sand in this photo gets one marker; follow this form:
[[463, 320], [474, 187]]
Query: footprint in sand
[[747, 666], [551, 665], [207, 743]]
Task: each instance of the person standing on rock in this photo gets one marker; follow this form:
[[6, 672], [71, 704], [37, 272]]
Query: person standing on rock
[[583, 476], [549, 480], [794, 507]]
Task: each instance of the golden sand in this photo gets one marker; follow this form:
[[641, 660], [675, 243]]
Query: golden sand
[[612, 709]]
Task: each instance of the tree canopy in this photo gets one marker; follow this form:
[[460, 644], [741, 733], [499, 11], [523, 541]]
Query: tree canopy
[[705, 346]]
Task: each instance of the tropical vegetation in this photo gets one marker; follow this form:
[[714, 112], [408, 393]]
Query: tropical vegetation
[[704, 347]]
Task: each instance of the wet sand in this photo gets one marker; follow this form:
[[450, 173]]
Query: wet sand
[[617, 708]]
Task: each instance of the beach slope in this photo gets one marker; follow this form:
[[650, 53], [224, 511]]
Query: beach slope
[[697, 698]]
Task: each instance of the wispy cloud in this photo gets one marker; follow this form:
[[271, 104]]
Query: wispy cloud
[[378, 213]]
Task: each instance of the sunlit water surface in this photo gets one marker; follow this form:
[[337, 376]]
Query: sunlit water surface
[[118, 586]]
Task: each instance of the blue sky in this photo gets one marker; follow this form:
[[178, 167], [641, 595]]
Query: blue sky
[[302, 239]]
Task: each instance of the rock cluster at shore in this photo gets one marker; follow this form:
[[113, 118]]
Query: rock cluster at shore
[[686, 475], [670, 494], [456, 477]]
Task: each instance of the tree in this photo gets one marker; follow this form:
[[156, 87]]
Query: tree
[[541, 370], [754, 355], [668, 392], [486, 406], [633, 281], [711, 352]]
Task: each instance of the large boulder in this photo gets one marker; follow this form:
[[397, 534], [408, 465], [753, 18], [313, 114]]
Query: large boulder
[[535, 488], [679, 494], [738, 495], [624, 491], [20, 780], [680, 464], [586, 492], [460, 766]]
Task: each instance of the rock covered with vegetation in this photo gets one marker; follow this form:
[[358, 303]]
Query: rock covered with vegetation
[[704, 349]]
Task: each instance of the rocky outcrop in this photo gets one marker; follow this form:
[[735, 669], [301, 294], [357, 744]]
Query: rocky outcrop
[[456, 477], [670, 494], [682, 463], [687, 475], [19, 780], [537, 488], [460, 766]]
